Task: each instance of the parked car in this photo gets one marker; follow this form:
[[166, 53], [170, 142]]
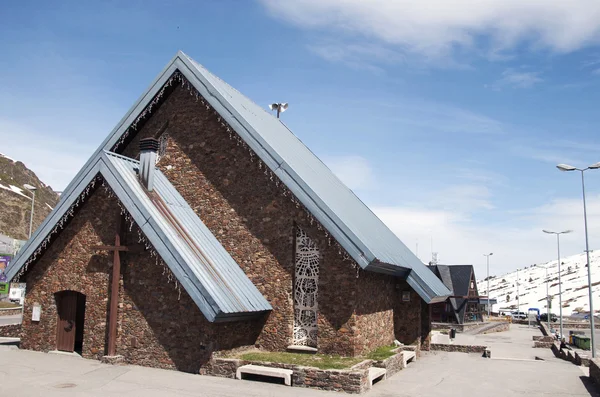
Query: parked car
[[544, 317], [518, 315]]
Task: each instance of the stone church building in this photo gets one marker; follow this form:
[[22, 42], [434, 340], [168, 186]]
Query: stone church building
[[203, 224]]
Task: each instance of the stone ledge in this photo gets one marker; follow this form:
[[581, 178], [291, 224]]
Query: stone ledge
[[541, 338], [11, 311], [543, 345], [113, 360], [459, 348], [10, 331]]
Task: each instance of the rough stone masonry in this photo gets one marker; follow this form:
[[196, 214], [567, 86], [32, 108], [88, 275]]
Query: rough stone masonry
[[157, 326]]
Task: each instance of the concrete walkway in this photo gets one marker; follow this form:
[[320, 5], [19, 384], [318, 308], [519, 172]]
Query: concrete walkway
[[436, 374], [514, 344]]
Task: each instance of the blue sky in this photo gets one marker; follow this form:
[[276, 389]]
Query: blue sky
[[445, 117]]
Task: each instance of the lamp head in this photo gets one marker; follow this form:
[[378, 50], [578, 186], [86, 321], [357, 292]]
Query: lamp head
[[29, 187], [594, 166], [566, 167]]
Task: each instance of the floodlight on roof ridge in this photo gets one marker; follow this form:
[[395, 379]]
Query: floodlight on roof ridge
[[280, 107]]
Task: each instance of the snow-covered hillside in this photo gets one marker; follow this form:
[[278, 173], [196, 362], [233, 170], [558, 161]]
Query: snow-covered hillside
[[532, 286]]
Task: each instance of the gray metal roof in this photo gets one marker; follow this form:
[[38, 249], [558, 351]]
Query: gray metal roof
[[204, 268], [358, 230], [362, 234]]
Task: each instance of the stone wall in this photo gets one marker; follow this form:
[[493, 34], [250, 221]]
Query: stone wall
[[255, 222], [70, 263], [159, 327], [458, 348], [10, 331], [543, 345], [374, 311], [582, 325], [392, 364], [407, 316]]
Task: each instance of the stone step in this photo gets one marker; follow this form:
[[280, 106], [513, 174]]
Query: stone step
[[376, 374], [251, 369]]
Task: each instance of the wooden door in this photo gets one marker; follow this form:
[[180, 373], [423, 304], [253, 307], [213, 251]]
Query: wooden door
[[67, 313]]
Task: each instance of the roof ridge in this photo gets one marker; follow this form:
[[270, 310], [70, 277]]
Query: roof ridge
[[120, 156]]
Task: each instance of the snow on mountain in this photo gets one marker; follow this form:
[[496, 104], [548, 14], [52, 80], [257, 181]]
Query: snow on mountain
[[5, 156], [530, 292]]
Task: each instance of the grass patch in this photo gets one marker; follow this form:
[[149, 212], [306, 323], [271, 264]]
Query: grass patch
[[321, 361], [381, 353], [8, 305]]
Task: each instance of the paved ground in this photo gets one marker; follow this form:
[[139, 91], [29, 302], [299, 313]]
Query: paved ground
[[5, 320], [440, 374], [515, 344]]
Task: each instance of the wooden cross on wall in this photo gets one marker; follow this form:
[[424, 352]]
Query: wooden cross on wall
[[116, 276]]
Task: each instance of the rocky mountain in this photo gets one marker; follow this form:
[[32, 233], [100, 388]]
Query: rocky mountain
[[15, 200], [527, 287]]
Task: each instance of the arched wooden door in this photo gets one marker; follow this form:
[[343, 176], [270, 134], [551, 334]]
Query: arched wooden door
[[69, 319]]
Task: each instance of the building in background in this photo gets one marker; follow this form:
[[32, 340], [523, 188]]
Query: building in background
[[464, 304]]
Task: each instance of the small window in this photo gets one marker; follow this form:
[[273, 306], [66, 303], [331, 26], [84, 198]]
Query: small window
[[472, 284]]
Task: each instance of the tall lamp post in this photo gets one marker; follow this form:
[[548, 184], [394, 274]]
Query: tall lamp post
[[488, 283], [32, 189], [548, 299], [567, 168], [559, 280]]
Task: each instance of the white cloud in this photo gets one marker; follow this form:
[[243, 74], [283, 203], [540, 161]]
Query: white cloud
[[435, 116], [438, 28], [517, 79], [354, 171], [516, 241]]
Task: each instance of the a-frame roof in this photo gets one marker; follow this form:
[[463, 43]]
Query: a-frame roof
[[354, 226], [199, 262]]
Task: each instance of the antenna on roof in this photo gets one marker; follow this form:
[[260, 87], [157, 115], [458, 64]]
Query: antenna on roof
[[280, 107]]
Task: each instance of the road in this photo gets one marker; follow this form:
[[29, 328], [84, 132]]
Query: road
[[435, 374], [14, 319]]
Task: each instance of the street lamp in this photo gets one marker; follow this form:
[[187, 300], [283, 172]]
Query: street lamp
[[559, 280], [566, 167], [488, 282], [32, 189], [548, 300]]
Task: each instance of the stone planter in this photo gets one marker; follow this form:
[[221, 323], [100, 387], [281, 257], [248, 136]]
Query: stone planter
[[354, 380]]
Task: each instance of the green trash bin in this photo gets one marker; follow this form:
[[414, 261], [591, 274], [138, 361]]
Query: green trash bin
[[584, 342]]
